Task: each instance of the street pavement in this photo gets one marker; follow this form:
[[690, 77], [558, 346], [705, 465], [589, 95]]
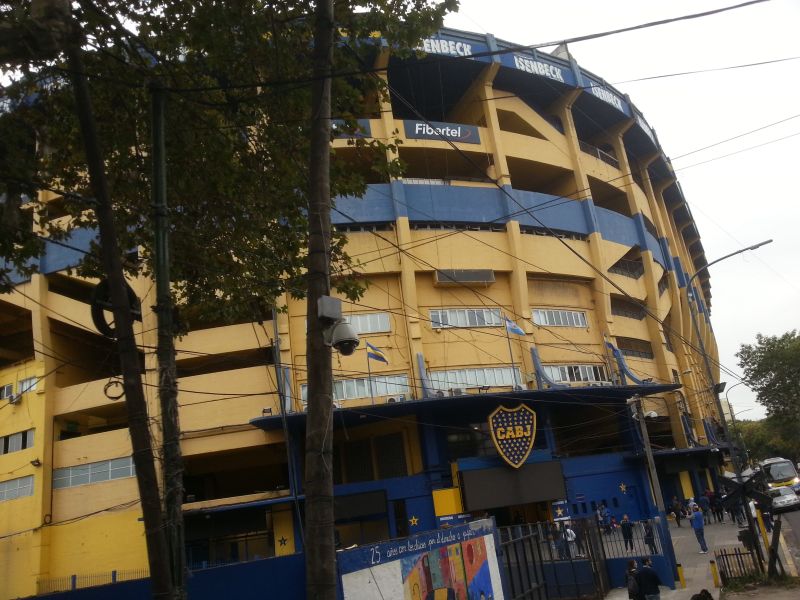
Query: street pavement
[[696, 566]]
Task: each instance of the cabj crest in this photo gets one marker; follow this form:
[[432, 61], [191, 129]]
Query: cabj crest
[[513, 431]]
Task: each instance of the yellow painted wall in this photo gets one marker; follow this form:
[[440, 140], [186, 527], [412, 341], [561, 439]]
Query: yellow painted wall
[[106, 542], [686, 485], [447, 501], [283, 530]]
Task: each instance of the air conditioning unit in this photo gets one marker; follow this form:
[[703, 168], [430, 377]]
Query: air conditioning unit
[[14, 398], [456, 392], [393, 399]]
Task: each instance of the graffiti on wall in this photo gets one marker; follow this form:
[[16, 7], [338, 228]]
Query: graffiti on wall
[[458, 563]]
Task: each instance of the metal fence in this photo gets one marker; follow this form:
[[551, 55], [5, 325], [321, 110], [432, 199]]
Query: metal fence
[[76, 582], [640, 538], [734, 563], [543, 561]]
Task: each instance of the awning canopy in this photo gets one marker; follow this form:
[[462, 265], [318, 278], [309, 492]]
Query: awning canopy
[[360, 415]]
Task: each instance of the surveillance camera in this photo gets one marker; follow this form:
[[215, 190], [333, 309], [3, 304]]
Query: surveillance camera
[[343, 338]]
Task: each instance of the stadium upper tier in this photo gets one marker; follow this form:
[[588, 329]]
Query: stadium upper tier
[[469, 165]]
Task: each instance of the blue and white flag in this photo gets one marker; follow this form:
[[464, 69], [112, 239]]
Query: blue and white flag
[[376, 354], [512, 327]]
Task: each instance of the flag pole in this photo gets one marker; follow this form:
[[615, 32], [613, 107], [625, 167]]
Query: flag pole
[[369, 378], [511, 355]]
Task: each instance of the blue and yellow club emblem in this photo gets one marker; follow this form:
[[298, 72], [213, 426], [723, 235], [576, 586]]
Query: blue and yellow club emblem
[[513, 431]]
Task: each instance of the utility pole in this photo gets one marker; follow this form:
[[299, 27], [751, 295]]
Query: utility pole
[[651, 465], [138, 420], [172, 460], [319, 532], [319, 537]]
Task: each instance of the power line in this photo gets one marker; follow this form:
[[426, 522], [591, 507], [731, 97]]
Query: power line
[[528, 211], [489, 53], [709, 70]]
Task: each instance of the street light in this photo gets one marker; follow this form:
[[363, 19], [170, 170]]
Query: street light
[[713, 387]]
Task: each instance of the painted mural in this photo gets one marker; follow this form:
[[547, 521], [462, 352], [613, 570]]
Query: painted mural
[[458, 563]]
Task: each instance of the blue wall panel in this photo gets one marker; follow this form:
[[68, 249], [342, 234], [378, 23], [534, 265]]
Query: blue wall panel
[[282, 577], [57, 257], [615, 227], [599, 478], [376, 206]]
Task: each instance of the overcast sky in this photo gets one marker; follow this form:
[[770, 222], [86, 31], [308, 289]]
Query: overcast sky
[[737, 200]]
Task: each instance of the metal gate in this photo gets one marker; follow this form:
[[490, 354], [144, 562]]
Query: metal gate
[[543, 561]]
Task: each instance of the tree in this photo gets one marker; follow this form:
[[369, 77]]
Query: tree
[[772, 369], [239, 77], [773, 436]]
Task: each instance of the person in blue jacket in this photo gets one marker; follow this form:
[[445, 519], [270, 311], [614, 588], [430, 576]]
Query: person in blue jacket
[[697, 524]]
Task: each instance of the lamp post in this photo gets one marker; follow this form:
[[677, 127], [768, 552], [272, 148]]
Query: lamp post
[[714, 388]]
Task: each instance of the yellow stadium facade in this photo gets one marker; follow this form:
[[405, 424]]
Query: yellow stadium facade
[[538, 243]]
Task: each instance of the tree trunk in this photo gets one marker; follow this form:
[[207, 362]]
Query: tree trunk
[[319, 536], [138, 420]]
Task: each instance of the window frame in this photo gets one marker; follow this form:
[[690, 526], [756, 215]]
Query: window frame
[[474, 377], [465, 318], [369, 322], [577, 373], [358, 387], [89, 473], [16, 488], [559, 317]]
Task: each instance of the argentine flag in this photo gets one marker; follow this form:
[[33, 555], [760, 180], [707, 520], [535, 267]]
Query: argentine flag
[[376, 354], [512, 327]]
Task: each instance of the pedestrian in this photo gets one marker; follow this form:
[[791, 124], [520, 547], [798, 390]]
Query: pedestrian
[[570, 535], [705, 506], [696, 519], [677, 510], [603, 517], [627, 532], [649, 581], [632, 581], [716, 507], [579, 527], [650, 537]]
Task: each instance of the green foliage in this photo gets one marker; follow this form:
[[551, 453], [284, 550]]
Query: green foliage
[[773, 436], [772, 369], [238, 78]]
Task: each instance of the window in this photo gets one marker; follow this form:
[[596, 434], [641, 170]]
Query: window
[[626, 308], [27, 385], [466, 317], [480, 377], [635, 347], [16, 488], [376, 322], [104, 470], [576, 373], [390, 452], [6, 391], [349, 389], [359, 458], [559, 318], [15, 442]]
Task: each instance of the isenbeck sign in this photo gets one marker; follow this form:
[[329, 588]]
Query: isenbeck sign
[[452, 132]]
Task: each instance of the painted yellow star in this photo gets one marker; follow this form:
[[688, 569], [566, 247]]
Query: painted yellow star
[[559, 511], [413, 521], [623, 488]]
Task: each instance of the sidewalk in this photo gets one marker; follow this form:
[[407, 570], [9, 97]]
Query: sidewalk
[[696, 568]]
